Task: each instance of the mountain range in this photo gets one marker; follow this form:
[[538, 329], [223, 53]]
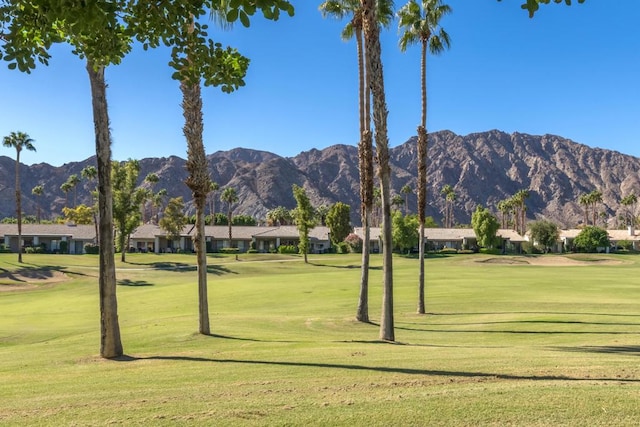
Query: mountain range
[[483, 168]]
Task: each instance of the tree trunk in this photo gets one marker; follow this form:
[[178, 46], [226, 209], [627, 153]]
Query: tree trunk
[[18, 205], [422, 201], [365, 164], [199, 182], [422, 176], [110, 342], [376, 79]]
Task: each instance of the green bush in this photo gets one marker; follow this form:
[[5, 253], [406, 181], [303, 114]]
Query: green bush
[[343, 248], [625, 244], [64, 247], [252, 251], [4, 249], [490, 251], [287, 249], [229, 250], [90, 248], [448, 251]]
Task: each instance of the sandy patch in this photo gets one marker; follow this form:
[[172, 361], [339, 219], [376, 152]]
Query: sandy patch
[[29, 279], [553, 261]]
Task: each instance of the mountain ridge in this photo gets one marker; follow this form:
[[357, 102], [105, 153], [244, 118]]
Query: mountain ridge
[[482, 167]]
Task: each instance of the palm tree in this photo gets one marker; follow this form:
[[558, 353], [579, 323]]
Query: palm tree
[[421, 24], [594, 198], [74, 180], [38, 190], [19, 141], [449, 197], [355, 9], [229, 196], [630, 215], [375, 80], [519, 199], [66, 187], [213, 189], [584, 201], [406, 190]]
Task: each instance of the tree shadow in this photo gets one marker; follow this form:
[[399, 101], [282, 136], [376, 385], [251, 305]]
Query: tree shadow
[[165, 265], [379, 369], [127, 282], [219, 270], [344, 267], [516, 332], [633, 350], [27, 274]]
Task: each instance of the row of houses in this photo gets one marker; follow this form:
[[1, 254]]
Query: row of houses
[[151, 238]]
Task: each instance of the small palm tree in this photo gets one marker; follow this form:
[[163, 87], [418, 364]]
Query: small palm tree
[[38, 190], [229, 196], [214, 187], [73, 181], [420, 23], [406, 190], [66, 187], [20, 141]]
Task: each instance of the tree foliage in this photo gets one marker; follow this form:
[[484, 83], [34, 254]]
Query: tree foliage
[[173, 220], [339, 222], [485, 225], [591, 238], [404, 229], [532, 6], [127, 199], [544, 232], [304, 218], [81, 214]]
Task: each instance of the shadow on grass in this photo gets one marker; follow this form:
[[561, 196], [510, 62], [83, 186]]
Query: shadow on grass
[[182, 267], [26, 274], [347, 267], [633, 350], [516, 332], [383, 369], [134, 283], [542, 322], [494, 313]]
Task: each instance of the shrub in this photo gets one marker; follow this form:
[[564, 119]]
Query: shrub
[[252, 251], [4, 249], [287, 249], [448, 251], [625, 244], [229, 250], [90, 248], [490, 251], [64, 247], [354, 243], [343, 248]]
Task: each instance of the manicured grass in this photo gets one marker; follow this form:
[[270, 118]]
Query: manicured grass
[[507, 341]]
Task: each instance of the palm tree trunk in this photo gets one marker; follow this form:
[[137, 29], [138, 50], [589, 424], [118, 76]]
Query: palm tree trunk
[[422, 199], [376, 78], [199, 183], [365, 163], [18, 205], [110, 342]]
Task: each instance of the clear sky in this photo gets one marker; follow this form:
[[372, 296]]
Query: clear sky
[[570, 71]]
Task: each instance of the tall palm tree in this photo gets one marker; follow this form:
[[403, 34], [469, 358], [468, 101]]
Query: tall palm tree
[[594, 198], [214, 187], [73, 181], [520, 199], [406, 190], [66, 187], [420, 24], [584, 201], [375, 80], [630, 203], [229, 196], [19, 141], [341, 9], [38, 190]]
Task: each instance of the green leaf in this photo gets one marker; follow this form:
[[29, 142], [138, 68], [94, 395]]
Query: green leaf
[[244, 19]]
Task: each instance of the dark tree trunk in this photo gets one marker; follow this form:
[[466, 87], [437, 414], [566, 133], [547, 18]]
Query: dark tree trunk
[[110, 342], [376, 79], [199, 182], [18, 205]]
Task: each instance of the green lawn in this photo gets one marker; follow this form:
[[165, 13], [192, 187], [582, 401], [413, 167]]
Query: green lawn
[[507, 341]]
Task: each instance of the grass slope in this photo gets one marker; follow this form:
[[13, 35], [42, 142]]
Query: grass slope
[[507, 341]]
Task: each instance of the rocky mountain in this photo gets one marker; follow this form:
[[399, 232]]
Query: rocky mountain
[[483, 168]]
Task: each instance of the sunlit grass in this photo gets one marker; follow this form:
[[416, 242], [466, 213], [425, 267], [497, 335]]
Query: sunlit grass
[[503, 343]]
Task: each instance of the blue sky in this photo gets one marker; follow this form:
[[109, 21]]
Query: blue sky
[[570, 71]]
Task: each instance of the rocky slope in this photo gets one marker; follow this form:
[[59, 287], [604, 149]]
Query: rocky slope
[[483, 168]]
